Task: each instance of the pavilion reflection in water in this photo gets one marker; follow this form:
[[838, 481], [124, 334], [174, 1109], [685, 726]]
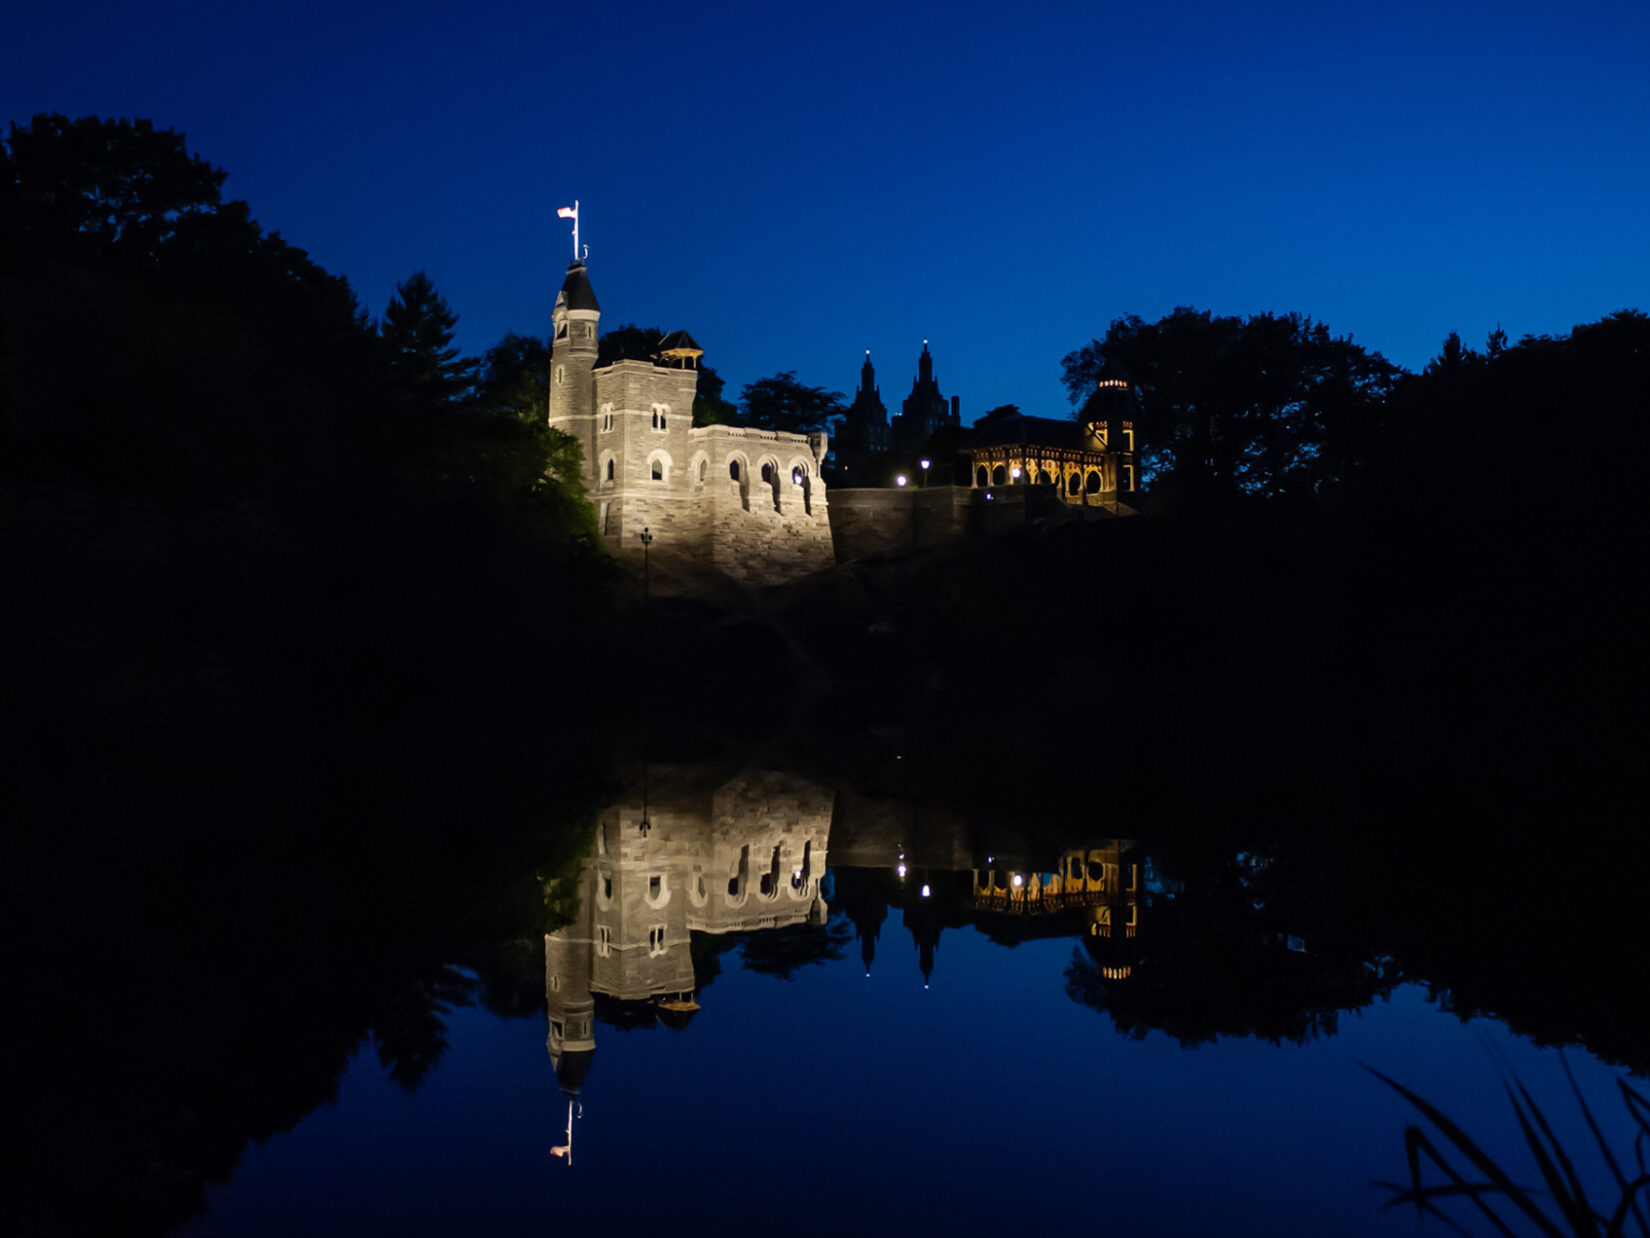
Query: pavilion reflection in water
[[671, 858], [679, 854]]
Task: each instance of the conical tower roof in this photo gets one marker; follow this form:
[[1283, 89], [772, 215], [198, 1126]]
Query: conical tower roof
[[576, 292]]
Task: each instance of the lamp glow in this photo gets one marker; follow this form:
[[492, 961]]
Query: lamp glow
[[925, 889], [901, 871], [900, 480]]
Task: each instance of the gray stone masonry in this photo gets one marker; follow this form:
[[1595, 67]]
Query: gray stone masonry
[[749, 503]]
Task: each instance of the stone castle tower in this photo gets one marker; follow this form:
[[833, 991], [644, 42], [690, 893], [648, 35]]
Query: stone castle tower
[[749, 502]]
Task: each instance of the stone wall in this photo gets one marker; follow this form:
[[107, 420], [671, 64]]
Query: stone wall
[[882, 522], [758, 532]]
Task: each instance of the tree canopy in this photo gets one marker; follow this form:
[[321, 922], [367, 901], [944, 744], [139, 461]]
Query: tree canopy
[[418, 327], [1269, 405], [780, 402], [118, 184]]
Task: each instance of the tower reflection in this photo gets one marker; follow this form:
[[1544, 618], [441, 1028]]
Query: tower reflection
[[672, 857], [681, 853]]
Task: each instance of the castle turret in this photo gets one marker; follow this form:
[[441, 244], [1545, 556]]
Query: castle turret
[[572, 357]]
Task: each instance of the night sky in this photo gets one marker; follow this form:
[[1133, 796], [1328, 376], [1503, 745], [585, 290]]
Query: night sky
[[797, 184]]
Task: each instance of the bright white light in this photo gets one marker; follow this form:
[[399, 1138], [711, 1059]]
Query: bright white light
[[1016, 470], [901, 871], [925, 889], [900, 480], [1019, 880], [924, 463]]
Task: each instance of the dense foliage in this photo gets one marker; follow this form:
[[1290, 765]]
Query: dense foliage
[[1270, 405], [780, 402], [279, 632]]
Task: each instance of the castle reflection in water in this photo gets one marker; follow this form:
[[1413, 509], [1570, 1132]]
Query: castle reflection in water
[[682, 853]]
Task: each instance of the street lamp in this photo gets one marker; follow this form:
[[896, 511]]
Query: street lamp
[[900, 480], [924, 464]]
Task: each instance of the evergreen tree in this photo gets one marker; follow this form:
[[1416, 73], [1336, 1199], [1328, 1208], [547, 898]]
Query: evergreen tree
[[418, 327]]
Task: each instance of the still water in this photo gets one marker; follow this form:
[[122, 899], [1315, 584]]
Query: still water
[[780, 1006]]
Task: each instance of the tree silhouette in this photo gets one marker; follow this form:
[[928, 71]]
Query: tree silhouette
[[1268, 406], [781, 403], [418, 327], [114, 183], [514, 378]]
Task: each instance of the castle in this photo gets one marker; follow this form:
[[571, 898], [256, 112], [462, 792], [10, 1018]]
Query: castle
[[749, 502]]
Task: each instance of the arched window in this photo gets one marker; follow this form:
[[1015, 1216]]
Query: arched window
[[733, 469], [610, 470], [658, 469], [981, 477], [767, 473], [999, 475]]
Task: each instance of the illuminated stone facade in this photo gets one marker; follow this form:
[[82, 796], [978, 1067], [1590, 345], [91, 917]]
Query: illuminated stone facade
[[751, 503], [677, 858], [1089, 462]]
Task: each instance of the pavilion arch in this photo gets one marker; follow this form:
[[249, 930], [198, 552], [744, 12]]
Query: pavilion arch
[[659, 465], [771, 476], [1093, 483], [999, 475], [801, 476], [739, 881], [801, 881], [768, 884], [982, 476], [739, 474]]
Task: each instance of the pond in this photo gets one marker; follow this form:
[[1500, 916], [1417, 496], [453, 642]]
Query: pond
[[782, 1005]]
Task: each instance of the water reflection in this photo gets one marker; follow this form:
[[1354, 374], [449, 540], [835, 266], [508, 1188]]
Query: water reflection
[[682, 867], [672, 858]]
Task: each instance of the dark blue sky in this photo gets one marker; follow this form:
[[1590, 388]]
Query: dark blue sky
[[796, 185]]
